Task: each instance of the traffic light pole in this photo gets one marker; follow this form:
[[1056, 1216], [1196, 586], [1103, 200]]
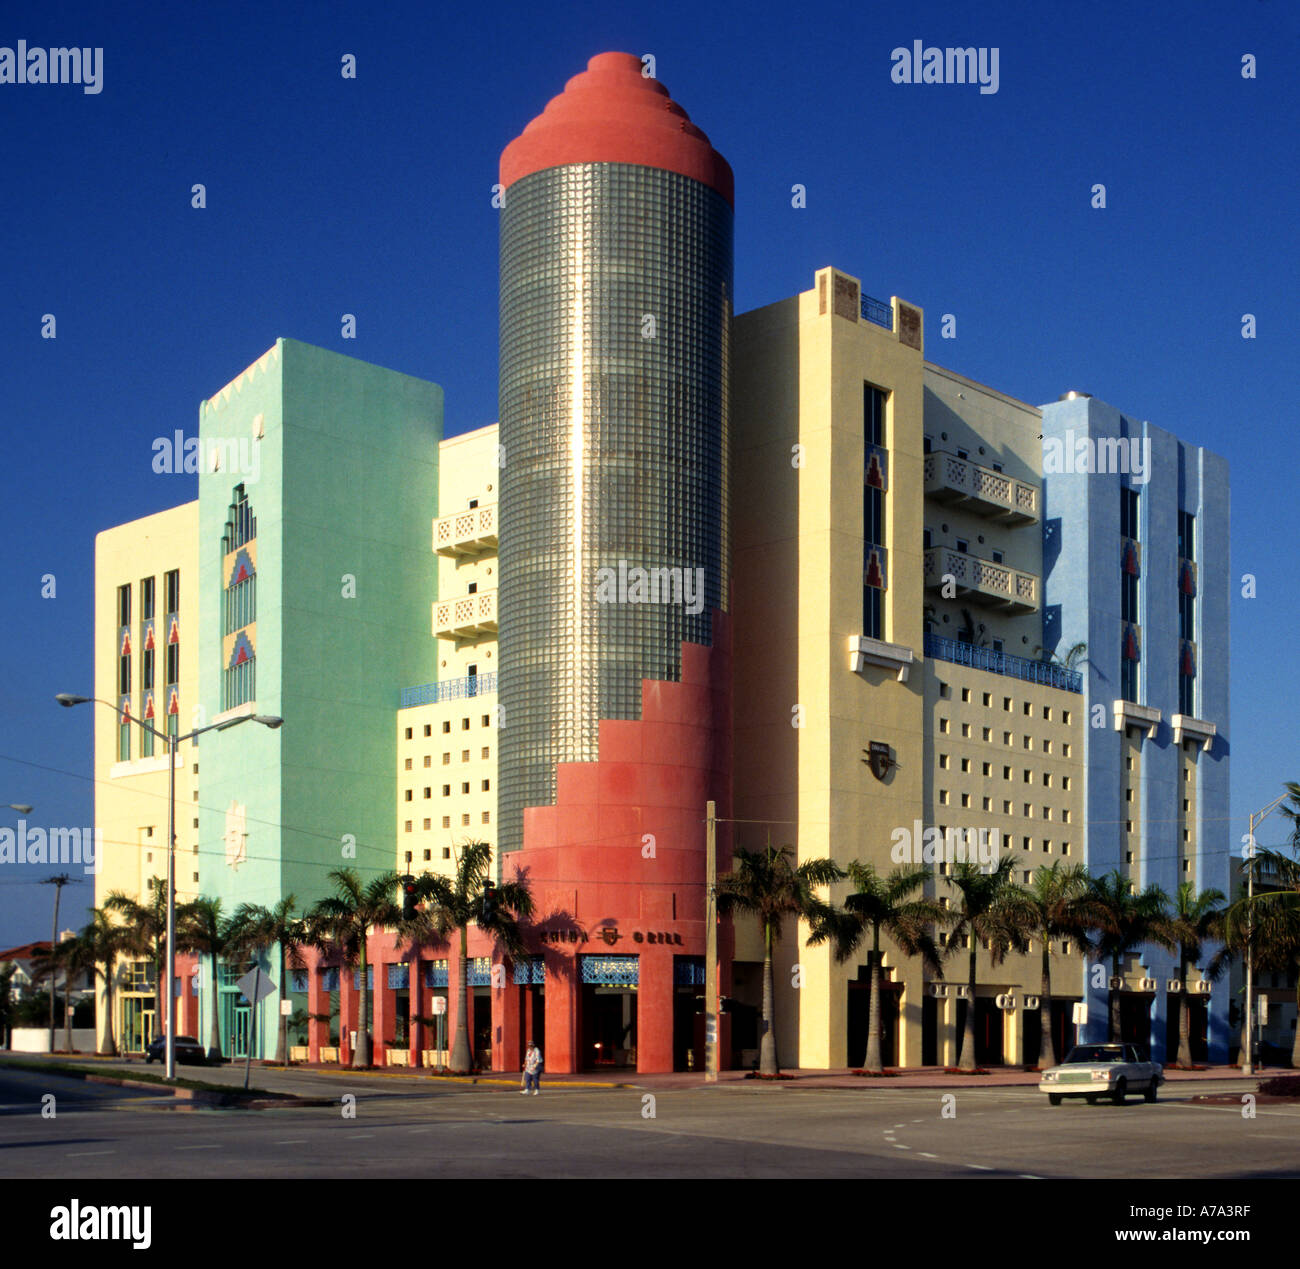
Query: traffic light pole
[[711, 943]]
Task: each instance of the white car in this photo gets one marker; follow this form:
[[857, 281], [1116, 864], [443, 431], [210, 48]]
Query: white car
[[1101, 1070]]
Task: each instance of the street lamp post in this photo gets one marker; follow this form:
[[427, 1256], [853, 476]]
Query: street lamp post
[[173, 743], [1256, 817]]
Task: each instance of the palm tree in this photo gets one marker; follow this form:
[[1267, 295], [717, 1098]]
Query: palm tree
[[1061, 908], [1269, 924], [1193, 920], [7, 969], [451, 903], [70, 957], [343, 921], [107, 941], [883, 904], [1123, 921], [993, 910], [146, 926], [200, 928], [258, 928], [769, 884]]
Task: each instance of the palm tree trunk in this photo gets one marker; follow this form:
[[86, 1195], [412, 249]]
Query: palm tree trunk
[[967, 1060], [1295, 1047], [361, 1054], [461, 1057], [1184, 1020], [280, 1043], [67, 1009], [876, 1031], [112, 1031], [1046, 1040], [1113, 1025], [767, 1064], [214, 1012]]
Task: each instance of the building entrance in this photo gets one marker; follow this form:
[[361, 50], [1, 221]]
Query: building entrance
[[608, 1026]]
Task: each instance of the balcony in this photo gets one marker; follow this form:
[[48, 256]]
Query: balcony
[[466, 533], [467, 616], [1045, 672], [979, 489], [879, 312], [1188, 728], [449, 690], [981, 581]]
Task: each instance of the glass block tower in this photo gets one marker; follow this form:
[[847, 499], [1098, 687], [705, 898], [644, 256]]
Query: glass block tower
[[616, 305]]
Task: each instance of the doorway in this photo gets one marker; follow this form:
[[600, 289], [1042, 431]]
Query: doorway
[[608, 1026]]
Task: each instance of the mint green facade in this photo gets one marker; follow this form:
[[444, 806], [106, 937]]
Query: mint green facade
[[344, 486]]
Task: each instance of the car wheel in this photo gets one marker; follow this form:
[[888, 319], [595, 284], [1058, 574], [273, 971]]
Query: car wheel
[[1054, 1099], [1121, 1091], [1150, 1094], [1092, 1101]]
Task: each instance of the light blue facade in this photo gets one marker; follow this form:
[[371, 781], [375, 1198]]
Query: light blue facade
[[1083, 552]]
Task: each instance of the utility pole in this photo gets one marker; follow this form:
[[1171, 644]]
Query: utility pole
[[711, 1020], [58, 883]]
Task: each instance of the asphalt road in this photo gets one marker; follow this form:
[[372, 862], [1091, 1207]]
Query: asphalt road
[[469, 1131]]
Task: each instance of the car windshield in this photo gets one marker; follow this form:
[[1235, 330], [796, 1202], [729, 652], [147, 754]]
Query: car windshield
[[1097, 1053]]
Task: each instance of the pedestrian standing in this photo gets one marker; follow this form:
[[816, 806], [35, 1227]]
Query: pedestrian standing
[[532, 1070]]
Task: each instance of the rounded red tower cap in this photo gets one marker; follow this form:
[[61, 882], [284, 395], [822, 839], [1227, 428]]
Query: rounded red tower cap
[[612, 113]]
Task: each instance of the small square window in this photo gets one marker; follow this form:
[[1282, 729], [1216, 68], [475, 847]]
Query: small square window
[[944, 691], [1006, 704], [943, 797], [464, 755], [446, 759], [1065, 782], [1047, 746], [943, 762], [408, 733], [428, 759], [428, 854], [943, 726], [1047, 812], [1025, 843], [1065, 750], [428, 729], [428, 823], [446, 850], [1028, 811], [428, 791], [1006, 737], [486, 751], [1006, 807], [1027, 777], [1047, 779], [965, 799], [446, 790], [410, 793], [988, 733], [446, 823], [464, 820], [487, 817], [464, 724], [1006, 773], [1065, 717], [988, 804], [965, 764], [464, 788], [1028, 709], [408, 764], [986, 769], [1065, 848], [988, 700], [965, 729], [487, 720], [487, 785], [446, 726], [965, 694], [408, 829]]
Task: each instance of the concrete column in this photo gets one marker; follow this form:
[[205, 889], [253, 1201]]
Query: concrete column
[[654, 1005], [1013, 1033], [505, 1016], [317, 1002], [947, 1026], [347, 1013], [563, 1002], [416, 1031], [385, 1011]]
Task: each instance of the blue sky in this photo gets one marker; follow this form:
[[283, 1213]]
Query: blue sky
[[372, 196]]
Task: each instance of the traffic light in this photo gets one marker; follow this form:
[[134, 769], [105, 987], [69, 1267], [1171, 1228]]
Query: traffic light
[[408, 898], [489, 902]]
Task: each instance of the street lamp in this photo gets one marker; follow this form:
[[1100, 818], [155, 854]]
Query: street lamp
[[68, 699], [1256, 817]]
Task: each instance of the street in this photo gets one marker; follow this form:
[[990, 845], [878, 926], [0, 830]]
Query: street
[[405, 1129]]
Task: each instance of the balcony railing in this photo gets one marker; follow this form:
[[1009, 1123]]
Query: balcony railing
[[449, 690], [471, 532], [1003, 663], [881, 312], [981, 581], [979, 489], [467, 616]]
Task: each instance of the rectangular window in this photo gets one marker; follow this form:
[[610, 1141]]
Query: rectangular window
[[1128, 513], [146, 598], [172, 590], [124, 742], [1128, 598], [1128, 677], [1187, 535], [124, 605]]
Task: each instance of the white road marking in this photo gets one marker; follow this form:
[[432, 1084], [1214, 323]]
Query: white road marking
[[925, 1154], [896, 1146], [86, 1154], [982, 1167], [1029, 1176], [212, 1147]]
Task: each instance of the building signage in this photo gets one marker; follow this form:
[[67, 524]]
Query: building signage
[[610, 934]]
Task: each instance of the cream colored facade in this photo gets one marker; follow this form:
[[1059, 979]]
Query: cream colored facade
[[967, 747], [446, 745], [131, 794]]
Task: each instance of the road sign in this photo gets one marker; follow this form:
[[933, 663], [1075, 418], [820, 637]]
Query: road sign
[[439, 1004], [286, 1007], [1081, 1012], [255, 982]]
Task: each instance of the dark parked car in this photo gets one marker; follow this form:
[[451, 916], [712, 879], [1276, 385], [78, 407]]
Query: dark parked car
[[188, 1051]]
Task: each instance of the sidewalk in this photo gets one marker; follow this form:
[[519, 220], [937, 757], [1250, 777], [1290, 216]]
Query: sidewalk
[[326, 1080]]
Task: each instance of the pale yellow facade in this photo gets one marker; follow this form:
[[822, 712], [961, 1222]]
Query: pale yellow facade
[[958, 746], [446, 745], [131, 789]]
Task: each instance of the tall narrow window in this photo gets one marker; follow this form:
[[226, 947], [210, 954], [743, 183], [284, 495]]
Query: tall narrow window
[[1187, 613], [239, 603], [875, 484]]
